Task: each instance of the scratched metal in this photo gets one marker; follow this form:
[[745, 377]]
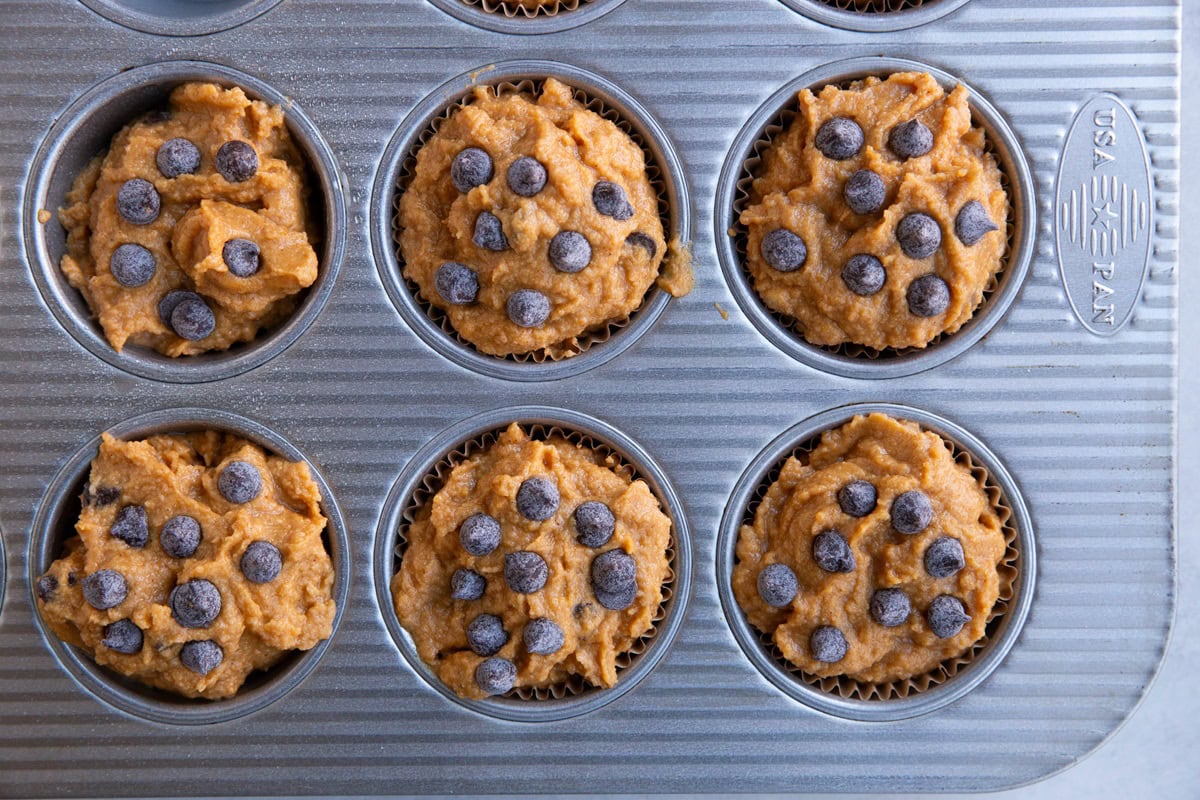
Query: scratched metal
[[1084, 423]]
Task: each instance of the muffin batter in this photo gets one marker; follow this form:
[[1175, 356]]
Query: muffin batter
[[536, 561], [863, 561], [877, 217], [158, 212], [531, 223], [198, 560]]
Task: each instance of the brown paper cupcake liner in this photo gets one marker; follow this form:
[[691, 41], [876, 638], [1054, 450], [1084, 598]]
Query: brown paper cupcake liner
[[589, 338], [851, 689], [780, 122], [875, 6], [513, 10], [435, 479]]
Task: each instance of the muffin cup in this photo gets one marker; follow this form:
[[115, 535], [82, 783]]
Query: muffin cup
[[852, 360], [54, 523], [589, 349], [879, 16], [951, 679], [424, 476], [180, 17], [507, 16], [85, 130]]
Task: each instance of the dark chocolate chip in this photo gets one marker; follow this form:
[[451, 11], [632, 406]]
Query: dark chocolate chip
[[132, 265], [47, 585], [239, 482], [241, 256], [973, 223], [105, 589], [857, 498], [832, 552], [130, 526], [180, 536], [471, 167], [946, 616], [827, 644], [864, 274], [911, 512], [944, 557], [910, 139], [777, 585], [104, 496], [928, 296], [594, 524], [467, 584], [614, 579], [486, 635], [261, 562], [525, 572], [138, 201], [644, 241], [890, 607], [864, 192], [177, 157], [610, 200], [195, 604], [171, 300], [537, 498], [479, 534], [201, 657], [495, 675], [237, 161], [919, 235], [783, 250], [570, 251], [457, 283], [528, 308], [543, 636], [526, 176], [72, 578], [489, 232], [123, 636], [839, 138], [192, 319]]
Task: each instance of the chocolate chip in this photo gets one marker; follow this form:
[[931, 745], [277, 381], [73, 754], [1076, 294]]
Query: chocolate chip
[[489, 232], [946, 616], [928, 296], [864, 274], [890, 607], [911, 512], [495, 675], [132, 265], [910, 139], [570, 251], [138, 201], [192, 319], [919, 235], [241, 256], [832, 552], [195, 604], [526, 176], [486, 635], [105, 589], [839, 138], [525, 572], [614, 579], [611, 201], [864, 192], [130, 526], [639, 239], [479, 534], [72, 578], [180, 536], [783, 250], [471, 167], [857, 498], [537, 498], [261, 562], [528, 308], [104, 496], [46, 586], [973, 223], [466, 584], [201, 657], [171, 300], [239, 482], [777, 585], [177, 157], [827, 644], [944, 557], [456, 283], [123, 636], [543, 636], [594, 524], [236, 161]]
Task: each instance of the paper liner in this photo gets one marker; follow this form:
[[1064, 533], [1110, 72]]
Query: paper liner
[[514, 10], [436, 477], [875, 6], [780, 122], [587, 339], [850, 689]]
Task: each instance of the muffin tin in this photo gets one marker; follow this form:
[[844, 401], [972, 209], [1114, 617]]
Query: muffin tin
[[1083, 423]]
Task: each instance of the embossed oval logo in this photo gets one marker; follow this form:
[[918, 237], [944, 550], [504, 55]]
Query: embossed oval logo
[[1104, 214]]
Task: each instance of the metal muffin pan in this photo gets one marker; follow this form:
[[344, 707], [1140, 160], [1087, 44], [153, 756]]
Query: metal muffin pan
[[180, 17], [903, 14], [1084, 424]]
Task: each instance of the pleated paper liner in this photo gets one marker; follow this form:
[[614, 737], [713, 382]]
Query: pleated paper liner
[[850, 689], [876, 6], [517, 10], [586, 339], [435, 479]]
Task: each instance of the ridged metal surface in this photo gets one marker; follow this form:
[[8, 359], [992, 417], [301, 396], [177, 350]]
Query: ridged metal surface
[[1086, 425]]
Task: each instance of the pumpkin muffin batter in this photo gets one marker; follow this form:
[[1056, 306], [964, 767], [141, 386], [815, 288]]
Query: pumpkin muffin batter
[[877, 559], [191, 234], [536, 561], [198, 560], [878, 217], [530, 222]]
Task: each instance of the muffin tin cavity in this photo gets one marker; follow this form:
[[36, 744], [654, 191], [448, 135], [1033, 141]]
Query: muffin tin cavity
[[874, 16], [591, 349], [511, 16], [54, 523], [85, 129], [425, 474], [180, 17], [733, 190], [954, 677]]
